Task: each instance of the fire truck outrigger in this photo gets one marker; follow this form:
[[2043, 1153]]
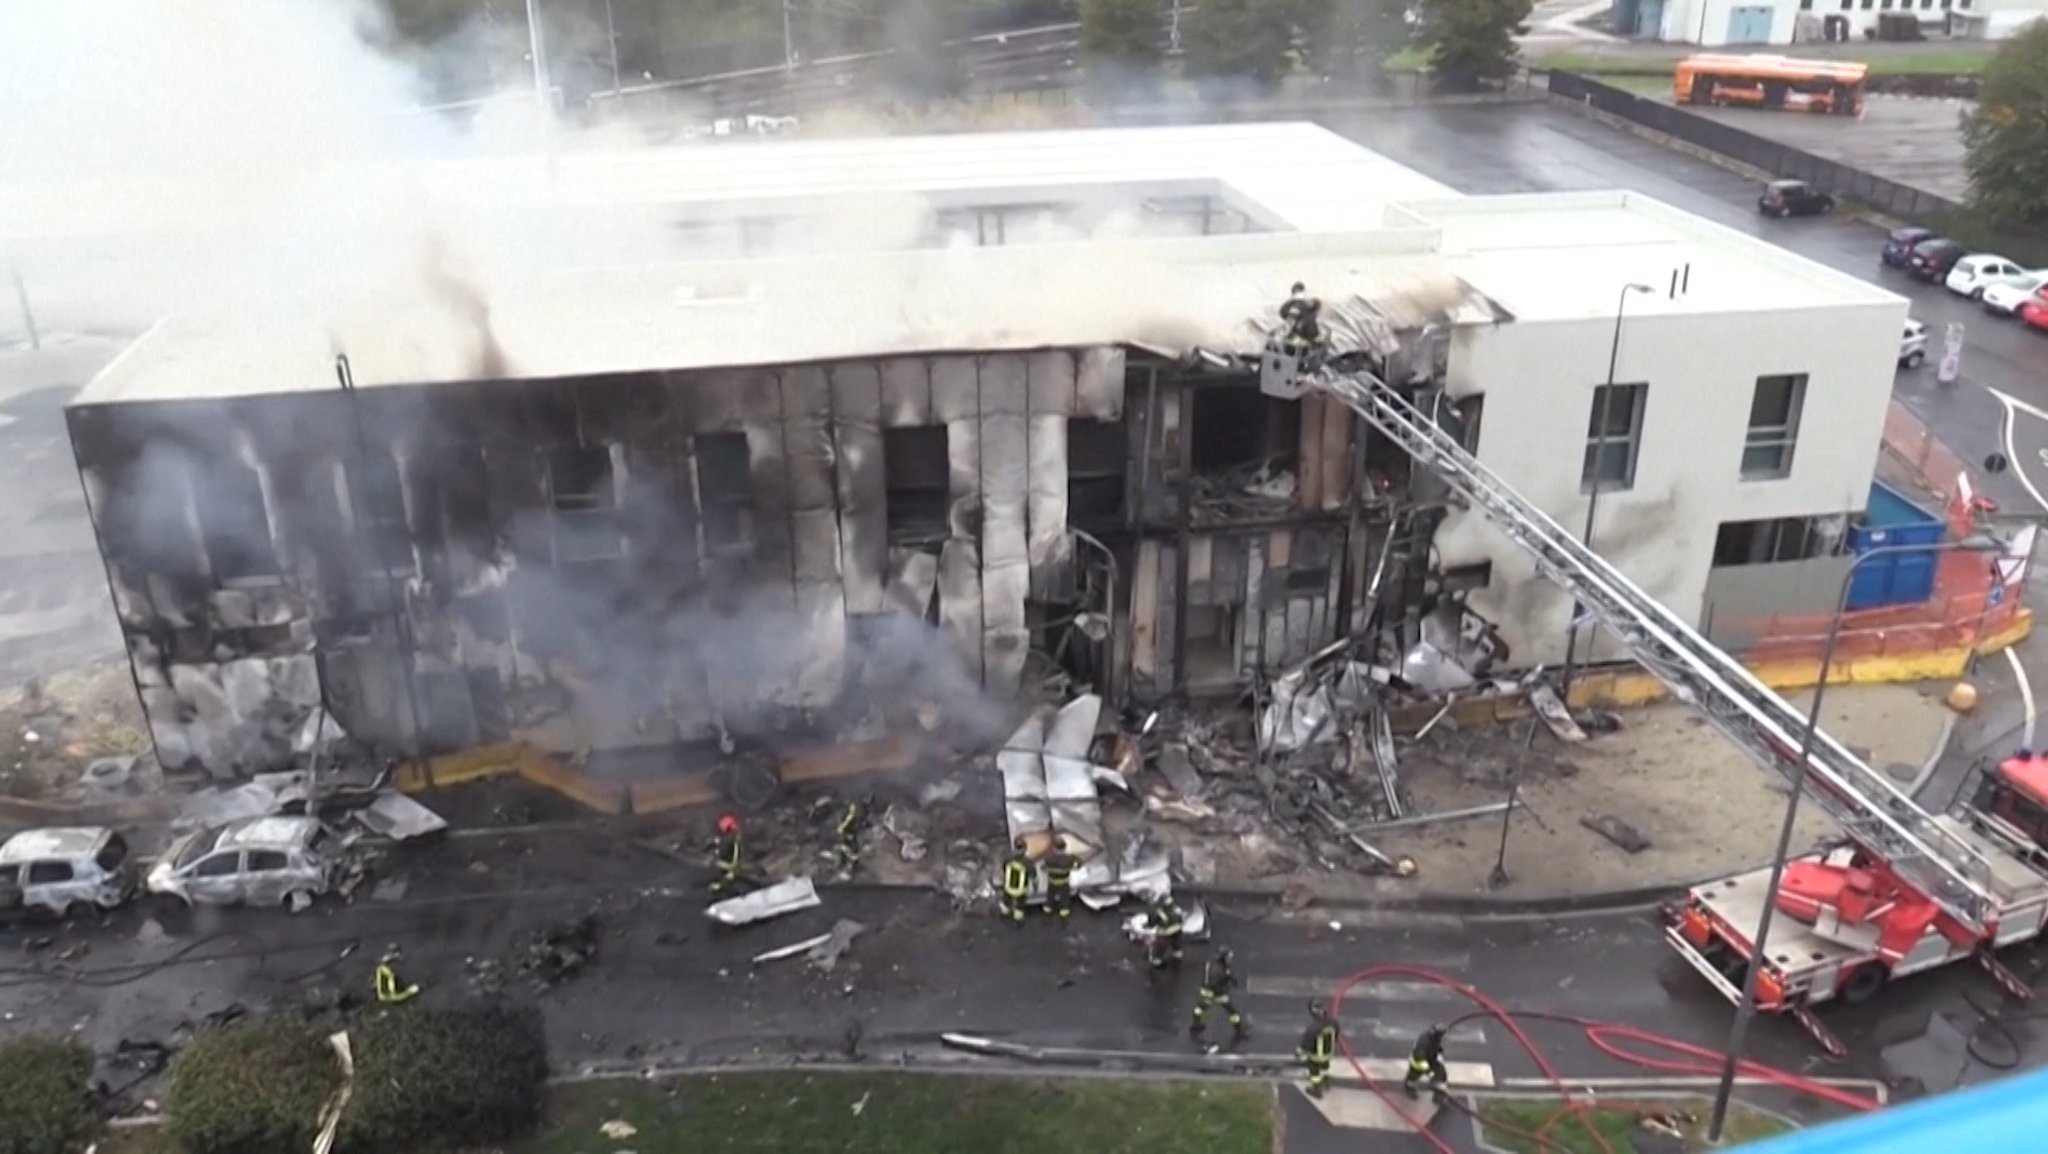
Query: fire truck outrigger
[[1907, 892]]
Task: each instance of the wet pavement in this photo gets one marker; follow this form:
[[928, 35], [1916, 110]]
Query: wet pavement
[[669, 988], [1916, 141]]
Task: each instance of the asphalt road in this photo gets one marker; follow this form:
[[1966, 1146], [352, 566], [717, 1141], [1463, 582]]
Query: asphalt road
[[669, 988], [1916, 141], [1537, 148]]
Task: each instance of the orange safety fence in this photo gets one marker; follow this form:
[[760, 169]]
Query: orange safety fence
[[1962, 612], [1940, 472]]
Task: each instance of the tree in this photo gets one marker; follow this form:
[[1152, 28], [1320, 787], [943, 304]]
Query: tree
[[1351, 40], [927, 65], [2006, 134], [1240, 39], [1472, 42], [1119, 47]]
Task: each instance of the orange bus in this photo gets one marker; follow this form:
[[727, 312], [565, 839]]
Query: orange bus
[[1777, 82]]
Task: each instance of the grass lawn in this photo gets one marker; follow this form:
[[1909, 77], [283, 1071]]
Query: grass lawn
[[812, 1113], [1616, 1122], [1931, 62]]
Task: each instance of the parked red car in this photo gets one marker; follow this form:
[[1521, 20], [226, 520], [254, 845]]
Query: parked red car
[[2034, 310]]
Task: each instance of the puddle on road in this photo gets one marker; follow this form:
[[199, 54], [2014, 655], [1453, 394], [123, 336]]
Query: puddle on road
[[1940, 1058]]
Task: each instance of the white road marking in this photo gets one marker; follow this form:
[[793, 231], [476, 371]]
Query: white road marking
[[2019, 673], [2013, 408], [1362, 994]]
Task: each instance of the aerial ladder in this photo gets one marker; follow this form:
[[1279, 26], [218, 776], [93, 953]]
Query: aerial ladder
[[1933, 858]]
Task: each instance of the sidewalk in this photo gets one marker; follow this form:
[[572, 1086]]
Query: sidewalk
[[1704, 807]]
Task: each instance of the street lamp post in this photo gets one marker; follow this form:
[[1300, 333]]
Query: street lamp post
[[1571, 637], [1745, 1010], [611, 29]]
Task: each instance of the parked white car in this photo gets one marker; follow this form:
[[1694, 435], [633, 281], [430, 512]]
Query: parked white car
[[60, 870], [1913, 344], [260, 861], [2006, 298], [1979, 271]]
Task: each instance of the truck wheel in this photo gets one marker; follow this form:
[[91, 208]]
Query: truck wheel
[[1863, 984], [1915, 360]]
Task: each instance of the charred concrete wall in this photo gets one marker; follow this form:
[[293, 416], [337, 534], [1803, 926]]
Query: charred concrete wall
[[594, 563]]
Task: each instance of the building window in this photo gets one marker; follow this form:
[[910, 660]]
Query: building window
[[1849, 4], [376, 499], [1775, 540], [1614, 436], [1868, 5], [1240, 429], [584, 495], [1098, 456], [1806, 5], [724, 494], [918, 480], [234, 523], [1773, 426]]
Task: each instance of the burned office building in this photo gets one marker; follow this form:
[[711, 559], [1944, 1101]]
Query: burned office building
[[618, 509]]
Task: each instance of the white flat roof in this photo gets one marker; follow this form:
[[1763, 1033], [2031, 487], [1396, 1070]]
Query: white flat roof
[[1170, 295], [1356, 227], [1563, 256]]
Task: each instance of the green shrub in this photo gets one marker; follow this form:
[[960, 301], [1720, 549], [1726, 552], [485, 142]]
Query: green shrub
[[254, 1087], [431, 1079], [45, 1096]]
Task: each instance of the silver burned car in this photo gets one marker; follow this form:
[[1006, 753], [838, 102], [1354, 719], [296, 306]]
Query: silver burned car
[[65, 869], [258, 861]]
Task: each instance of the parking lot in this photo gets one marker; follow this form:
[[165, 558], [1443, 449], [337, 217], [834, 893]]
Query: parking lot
[[1913, 140]]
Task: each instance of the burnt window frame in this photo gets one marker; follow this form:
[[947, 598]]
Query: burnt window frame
[[204, 482], [916, 513], [594, 510], [724, 507], [385, 544]]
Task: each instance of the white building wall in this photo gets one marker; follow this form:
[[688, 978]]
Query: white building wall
[[1539, 378], [1705, 22]]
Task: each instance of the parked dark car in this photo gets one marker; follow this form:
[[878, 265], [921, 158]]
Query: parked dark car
[[1898, 247], [1783, 198], [1933, 257]]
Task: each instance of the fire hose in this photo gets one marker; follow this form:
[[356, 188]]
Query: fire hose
[[1624, 1043]]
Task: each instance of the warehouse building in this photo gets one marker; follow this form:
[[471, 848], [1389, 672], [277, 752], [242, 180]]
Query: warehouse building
[[1012, 429]]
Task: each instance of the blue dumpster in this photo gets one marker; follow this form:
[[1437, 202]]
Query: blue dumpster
[[1897, 578]]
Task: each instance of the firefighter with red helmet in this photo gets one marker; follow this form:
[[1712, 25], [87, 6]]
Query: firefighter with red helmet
[[726, 855]]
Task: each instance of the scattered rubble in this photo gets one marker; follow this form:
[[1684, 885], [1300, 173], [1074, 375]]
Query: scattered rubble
[[778, 900]]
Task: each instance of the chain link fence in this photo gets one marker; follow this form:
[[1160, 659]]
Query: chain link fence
[[1889, 197]]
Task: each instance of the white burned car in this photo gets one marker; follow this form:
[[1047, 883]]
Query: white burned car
[[258, 861], [61, 870]]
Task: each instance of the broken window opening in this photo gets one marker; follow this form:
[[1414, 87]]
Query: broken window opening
[[1098, 455], [584, 495], [234, 522], [1237, 427], [918, 481], [1614, 438], [1773, 426], [1470, 413], [1464, 578], [724, 488], [1775, 540], [376, 498]]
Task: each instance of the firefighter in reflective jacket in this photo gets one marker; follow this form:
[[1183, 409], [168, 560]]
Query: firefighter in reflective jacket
[[1218, 980], [1426, 1062], [851, 822], [726, 852], [1303, 313], [1059, 881], [1016, 882], [1164, 923], [389, 992], [1318, 1045]]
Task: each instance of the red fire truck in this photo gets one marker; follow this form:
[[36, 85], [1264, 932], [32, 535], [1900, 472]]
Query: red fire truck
[[1849, 924]]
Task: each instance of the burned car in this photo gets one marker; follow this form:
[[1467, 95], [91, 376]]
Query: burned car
[[61, 870], [258, 861]]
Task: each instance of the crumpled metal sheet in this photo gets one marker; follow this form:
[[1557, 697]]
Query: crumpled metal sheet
[[1432, 671], [1021, 761], [1069, 779], [400, 818], [1298, 715], [784, 897]]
